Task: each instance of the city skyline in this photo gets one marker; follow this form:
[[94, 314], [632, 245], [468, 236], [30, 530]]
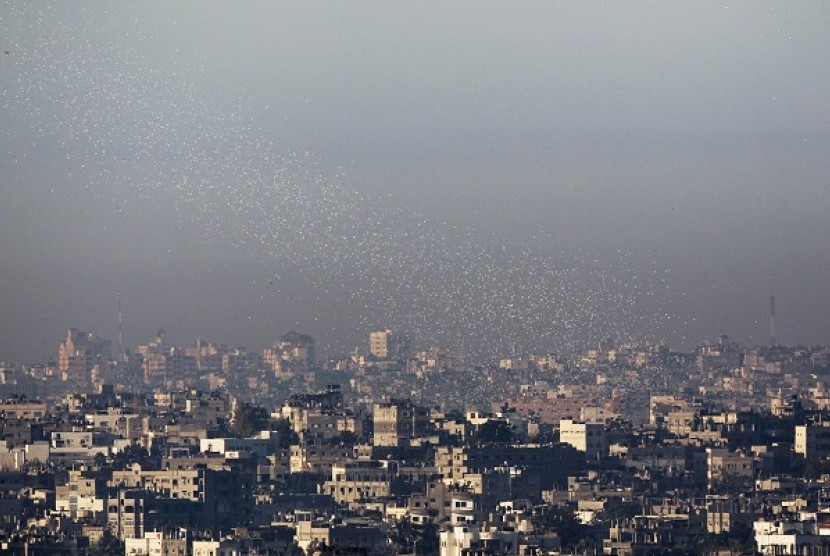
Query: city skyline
[[418, 279]]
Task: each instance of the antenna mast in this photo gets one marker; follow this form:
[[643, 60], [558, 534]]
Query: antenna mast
[[120, 327], [772, 339]]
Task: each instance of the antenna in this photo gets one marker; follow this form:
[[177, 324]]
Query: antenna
[[772, 340], [120, 327]]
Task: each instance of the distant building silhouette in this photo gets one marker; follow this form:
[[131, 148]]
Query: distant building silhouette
[[79, 353], [385, 344]]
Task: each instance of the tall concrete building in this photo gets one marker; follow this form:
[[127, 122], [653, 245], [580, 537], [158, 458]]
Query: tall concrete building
[[385, 344], [397, 422]]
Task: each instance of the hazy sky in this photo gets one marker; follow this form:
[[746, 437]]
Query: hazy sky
[[237, 170]]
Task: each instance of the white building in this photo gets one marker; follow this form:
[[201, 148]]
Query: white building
[[585, 437], [225, 547], [812, 440], [783, 538], [462, 538], [453, 541], [154, 544], [263, 446]]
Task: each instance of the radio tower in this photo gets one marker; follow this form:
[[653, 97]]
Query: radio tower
[[120, 325], [772, 341]]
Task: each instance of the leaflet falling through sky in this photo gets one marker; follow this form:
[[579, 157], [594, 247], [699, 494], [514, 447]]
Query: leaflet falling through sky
[[120, 124]]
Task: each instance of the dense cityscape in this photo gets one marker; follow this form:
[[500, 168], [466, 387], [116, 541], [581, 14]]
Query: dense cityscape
[[214, 450], [414, 278]]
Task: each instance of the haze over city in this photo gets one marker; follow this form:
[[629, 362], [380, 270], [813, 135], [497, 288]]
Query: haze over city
[[416, 279], [478, 175]]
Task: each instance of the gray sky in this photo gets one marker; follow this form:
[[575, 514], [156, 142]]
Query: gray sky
[[238, 170]]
